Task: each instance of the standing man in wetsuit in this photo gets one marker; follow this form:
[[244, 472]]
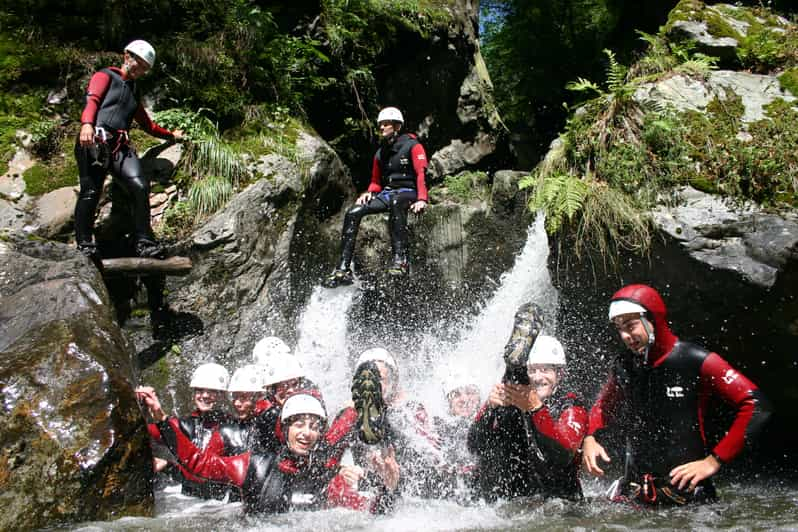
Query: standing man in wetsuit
[[657, 392], [112, 102], [398, 183]]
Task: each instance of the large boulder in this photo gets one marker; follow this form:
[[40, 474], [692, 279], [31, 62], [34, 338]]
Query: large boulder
[[73, 444], [745, 239]]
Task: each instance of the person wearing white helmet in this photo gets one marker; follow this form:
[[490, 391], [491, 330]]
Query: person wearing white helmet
[[526, 436], [282, 374], [268, 346], [293, 477], [398, 184], [209, 383], [103, 146], [383, 421]]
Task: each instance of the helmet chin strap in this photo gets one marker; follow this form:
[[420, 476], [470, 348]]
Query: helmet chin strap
[[650, 332]]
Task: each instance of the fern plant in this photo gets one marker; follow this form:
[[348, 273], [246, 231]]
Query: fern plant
[[559, 195]]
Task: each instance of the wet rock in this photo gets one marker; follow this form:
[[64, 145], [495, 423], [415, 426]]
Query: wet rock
[[73, 444]]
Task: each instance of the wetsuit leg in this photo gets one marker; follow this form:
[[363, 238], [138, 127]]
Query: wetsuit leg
[[92, 174], [352, 225], [400, 203], [126, 170]]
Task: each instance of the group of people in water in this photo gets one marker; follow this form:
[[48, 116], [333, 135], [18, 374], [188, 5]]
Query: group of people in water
[[279, 448]]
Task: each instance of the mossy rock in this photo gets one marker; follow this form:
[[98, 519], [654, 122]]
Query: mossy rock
[[42, 178]]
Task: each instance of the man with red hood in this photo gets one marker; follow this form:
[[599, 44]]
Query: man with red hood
[[658, 394]]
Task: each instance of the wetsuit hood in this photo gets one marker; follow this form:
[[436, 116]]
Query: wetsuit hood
[[656, 313]]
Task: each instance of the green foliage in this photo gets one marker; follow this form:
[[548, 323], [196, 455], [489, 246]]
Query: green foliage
[[214, 165], [766, 48], [788, 80], [467, 186], [559, 195], [208, 194]]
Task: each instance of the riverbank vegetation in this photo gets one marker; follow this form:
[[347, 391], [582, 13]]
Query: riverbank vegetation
[[620, 154]]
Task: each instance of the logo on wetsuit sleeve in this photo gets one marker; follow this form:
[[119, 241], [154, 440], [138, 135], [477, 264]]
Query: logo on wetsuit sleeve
[[730, 376], [674, 391], [575, 425]]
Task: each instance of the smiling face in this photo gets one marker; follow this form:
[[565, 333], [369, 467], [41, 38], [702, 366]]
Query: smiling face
[[464, 401], [283, 389], [244, 404], [304, 431], [544, 377], [632, 331], [205, 399]]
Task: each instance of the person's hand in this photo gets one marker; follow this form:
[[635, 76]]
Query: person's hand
[[418, 206], [498, 396], [364, 198], [177, 134], [694, 472], [523, 396], [86, 136], [159, 464], [386, 466], [351, 474], [591, 452], [147, 395]]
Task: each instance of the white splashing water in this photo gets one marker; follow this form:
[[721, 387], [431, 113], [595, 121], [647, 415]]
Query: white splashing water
[[322, 345]]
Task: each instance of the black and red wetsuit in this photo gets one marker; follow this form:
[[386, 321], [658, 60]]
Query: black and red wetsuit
[[112, 103], [523, 454], [661, 405], [397, 181], [201, 428], [269, 482]]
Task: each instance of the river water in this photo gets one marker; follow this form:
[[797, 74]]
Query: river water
[[324, 350]]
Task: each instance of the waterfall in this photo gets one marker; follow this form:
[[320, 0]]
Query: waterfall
[[322, 345]]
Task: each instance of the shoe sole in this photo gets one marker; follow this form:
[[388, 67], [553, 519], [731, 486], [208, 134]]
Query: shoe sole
[[367, 396], [527, 327]]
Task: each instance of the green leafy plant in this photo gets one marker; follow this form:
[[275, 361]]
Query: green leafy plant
[[467, 185]]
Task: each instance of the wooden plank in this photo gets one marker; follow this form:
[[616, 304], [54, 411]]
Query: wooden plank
[[141, 266]]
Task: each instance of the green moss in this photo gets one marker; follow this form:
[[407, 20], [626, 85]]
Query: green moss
[[46, 177], [143, 141], [719, 27], [467, 186], [788, 80]]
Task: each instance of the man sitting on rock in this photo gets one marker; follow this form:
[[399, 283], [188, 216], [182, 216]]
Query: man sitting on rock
[[397, 184]]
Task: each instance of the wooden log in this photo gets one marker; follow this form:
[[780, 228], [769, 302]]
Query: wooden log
[[141, 266]]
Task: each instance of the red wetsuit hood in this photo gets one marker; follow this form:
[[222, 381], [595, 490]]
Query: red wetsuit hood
[[656, 313]]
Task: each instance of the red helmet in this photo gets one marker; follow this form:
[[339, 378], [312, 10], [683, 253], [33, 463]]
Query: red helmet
[[655, 312]]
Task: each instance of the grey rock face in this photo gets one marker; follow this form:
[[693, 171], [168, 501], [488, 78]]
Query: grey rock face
[[683, 93], [745, 239], [73, 444]]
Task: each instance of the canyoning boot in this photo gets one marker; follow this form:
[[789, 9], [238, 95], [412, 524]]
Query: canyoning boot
[[527, 326], [90, 251], [338, 278], [369, 405], [149, 249], [398, 269]]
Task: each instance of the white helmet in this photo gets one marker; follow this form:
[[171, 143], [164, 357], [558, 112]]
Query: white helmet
[[281, 367], [246, 379], [390, 113], [547, 350], [302, 403], [142, 49], [378, 354], [457, 379], [210, 377], [268, 346], [620, 307]]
